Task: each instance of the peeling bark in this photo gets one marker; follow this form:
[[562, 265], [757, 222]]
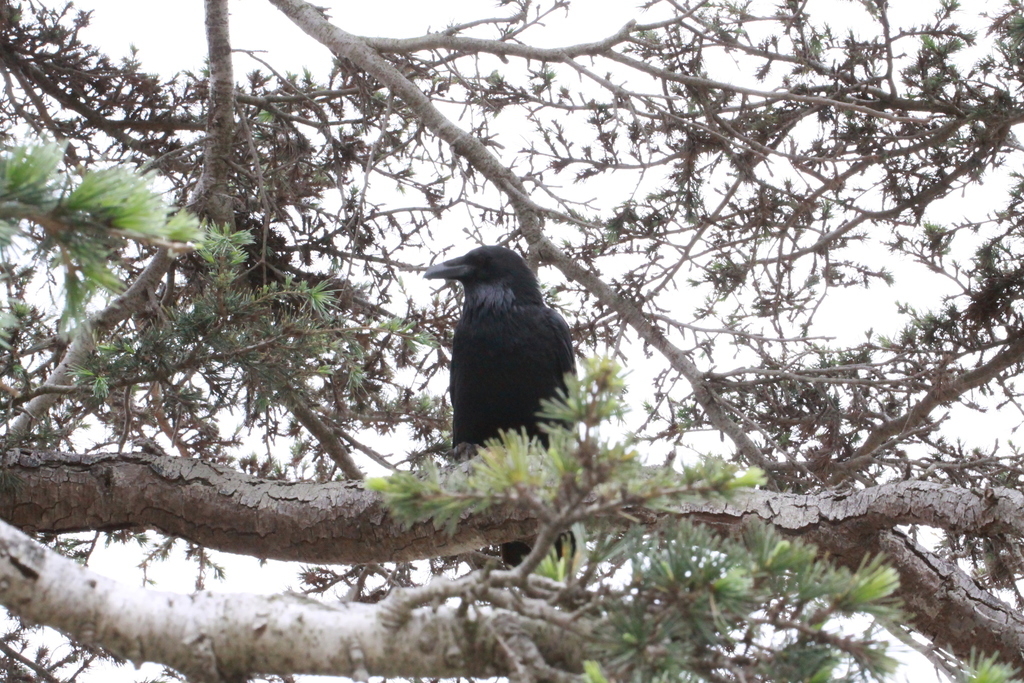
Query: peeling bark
[[944, 603], [959, 510], [947, 605], [342, 522], [221, 508]]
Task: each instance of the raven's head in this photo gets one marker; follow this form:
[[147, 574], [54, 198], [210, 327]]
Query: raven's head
[[492, 276]]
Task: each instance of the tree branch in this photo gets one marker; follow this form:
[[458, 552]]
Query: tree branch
[[447, 41], [327, 438], [84, 342], [943, 393], [468, 45], [212, 183], [949, 606], [529, 213], [215, 638], [945, 603], [212, 197], [341, 522], [221, 508], [993, 511]]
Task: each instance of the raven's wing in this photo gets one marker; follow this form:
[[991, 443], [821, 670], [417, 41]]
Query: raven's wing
[[564, 355]]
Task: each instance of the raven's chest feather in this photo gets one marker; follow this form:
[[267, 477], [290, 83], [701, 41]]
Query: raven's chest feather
[[496, 340], [503, 363]]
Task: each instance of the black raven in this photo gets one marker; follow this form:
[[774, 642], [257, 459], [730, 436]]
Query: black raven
[[510, 351]]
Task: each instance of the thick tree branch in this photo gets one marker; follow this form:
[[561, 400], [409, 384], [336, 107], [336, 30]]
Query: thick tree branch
[[945, 603], [949, 606], [212, 197], [215, 638], [224, 509], [958, 510]]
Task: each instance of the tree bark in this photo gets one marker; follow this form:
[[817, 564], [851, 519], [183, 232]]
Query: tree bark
[[341, 522], [221, 508], [213, 638], [946, 604], [212, 197]]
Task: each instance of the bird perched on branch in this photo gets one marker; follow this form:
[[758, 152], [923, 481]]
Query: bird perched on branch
[[510, 351]]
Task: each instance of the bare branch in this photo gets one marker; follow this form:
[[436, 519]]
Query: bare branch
[[942, 394], [82, 346], [530, 214], [327, 438], [448, 41]]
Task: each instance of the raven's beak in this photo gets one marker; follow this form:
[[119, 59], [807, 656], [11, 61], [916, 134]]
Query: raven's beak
[[455, 269]]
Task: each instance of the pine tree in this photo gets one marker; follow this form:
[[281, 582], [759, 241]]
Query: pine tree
[[796, 227]]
